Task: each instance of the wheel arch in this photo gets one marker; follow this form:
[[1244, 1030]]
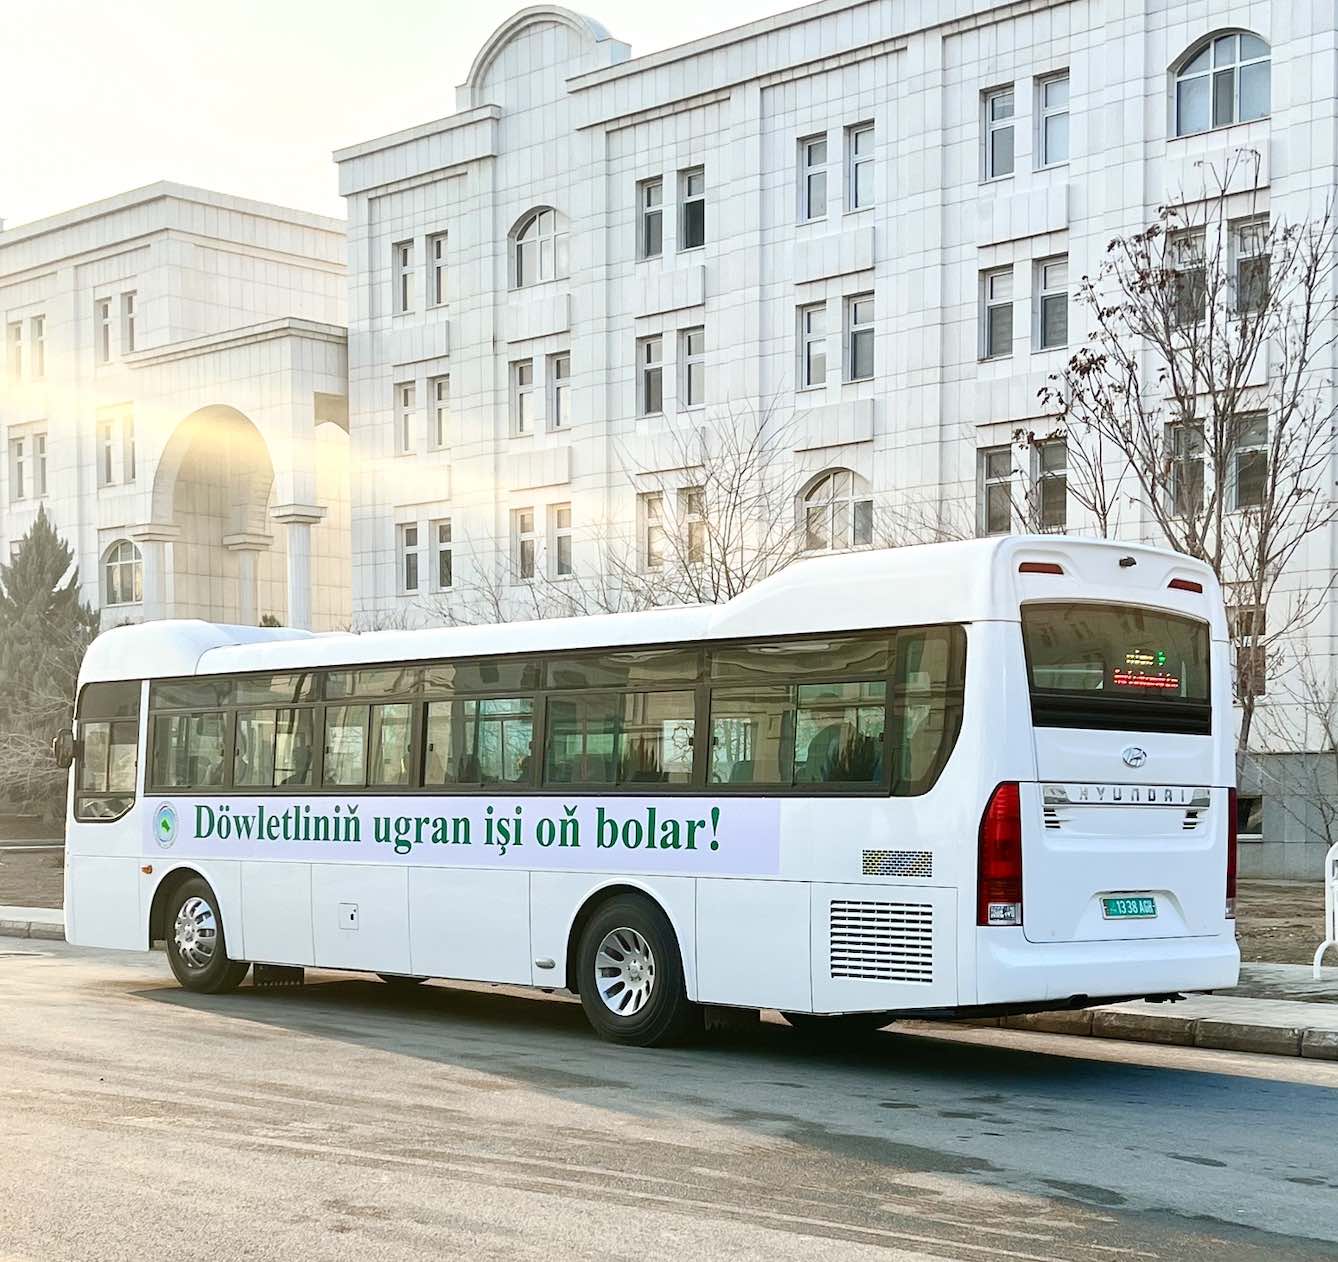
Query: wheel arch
[[602, 894], [223, 879]]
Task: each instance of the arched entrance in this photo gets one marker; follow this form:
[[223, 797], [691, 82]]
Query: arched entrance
[[212, 492]]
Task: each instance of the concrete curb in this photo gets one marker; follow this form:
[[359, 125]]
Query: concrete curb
[[1318, 1043], [32, 922]]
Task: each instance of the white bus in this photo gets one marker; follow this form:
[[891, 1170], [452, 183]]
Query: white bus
[[961, 779]]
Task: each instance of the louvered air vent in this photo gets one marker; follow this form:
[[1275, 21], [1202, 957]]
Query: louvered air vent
[[899, 863], [882, 942], [1191, 821], [1052, 819]]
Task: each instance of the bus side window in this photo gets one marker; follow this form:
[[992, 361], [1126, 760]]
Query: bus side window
[[928, 676], [108, 762]]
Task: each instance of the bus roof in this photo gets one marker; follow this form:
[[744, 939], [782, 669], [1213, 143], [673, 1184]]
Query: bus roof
[[964, 581]]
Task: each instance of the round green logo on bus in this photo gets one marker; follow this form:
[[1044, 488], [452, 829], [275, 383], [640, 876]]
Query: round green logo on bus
[[165, 825]]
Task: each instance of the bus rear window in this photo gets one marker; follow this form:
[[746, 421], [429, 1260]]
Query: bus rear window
[[1117, 666]]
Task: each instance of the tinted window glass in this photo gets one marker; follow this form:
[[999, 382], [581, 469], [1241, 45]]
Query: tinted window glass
[[625, 670], [345, 744], [189, 751], [276, 689], [839, 733], [1103, 666], [395, 681], [862, 656], [109, 701], [750, 735], [582, 738], [108, 761], [483, 676], [486, 741], [928, 678], [294, 745], [192, 694], [656, 743], [253, 749], [391, 737]]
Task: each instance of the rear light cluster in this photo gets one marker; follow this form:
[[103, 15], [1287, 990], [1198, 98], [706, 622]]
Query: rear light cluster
[[999, 859], [1185, 585], [1231, 855]]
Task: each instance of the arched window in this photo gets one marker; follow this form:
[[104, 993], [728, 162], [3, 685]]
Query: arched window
[[838, 512], [1221, 81], [538, 248], [122, 574]]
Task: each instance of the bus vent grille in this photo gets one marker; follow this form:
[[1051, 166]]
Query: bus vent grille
[[899, 863], [882, 942], [1052, 819], [1191, 821]]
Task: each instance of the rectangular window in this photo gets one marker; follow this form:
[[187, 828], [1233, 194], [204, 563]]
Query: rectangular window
[[479, 742], [128, 447], [436, 277], [273, 747], [39, 464], [522, 397], [346, 744], [189, 751], [559, 390], [402, 253], [1119, 667], [523, 543], [655, 545], [995, 472], [106, 452], [409, 558], [813, 346], [813, 178], [1251, 249], [439, 391], [102, 329], [1189, 292], [127, 322], [650, 376], [997, 313], [37, 344], [108, 751], [18, 469], [445, 569], [1185, 451], [999, 126], [14, 350], [692, 191], [692, 361], [405, 402], [650, 212], [1052, 484], [1249, 817], [859, 164], [1249, 460], [390, 760], [1052, 285], [1249, 638], [692, 516], [859, 337], [559, 536], [1052, 99]]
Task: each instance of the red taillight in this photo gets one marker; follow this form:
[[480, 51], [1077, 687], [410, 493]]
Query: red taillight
[[1040, 567], [1185, 585], [1231, 855], [999, 860]]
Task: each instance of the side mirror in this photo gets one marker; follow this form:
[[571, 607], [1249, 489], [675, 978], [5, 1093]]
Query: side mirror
[[64, 747]]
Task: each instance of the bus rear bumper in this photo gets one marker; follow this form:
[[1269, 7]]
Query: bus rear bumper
[[1009, 969]]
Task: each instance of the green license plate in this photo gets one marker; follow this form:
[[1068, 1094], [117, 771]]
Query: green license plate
[[1128, 908]]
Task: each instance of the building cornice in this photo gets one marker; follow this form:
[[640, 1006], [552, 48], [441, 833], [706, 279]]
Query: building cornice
[[452, 122], [252, 334]]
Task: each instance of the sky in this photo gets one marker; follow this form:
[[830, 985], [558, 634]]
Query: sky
[[250, 96]]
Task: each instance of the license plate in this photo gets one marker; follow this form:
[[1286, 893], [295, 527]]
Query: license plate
[[1129, 908]]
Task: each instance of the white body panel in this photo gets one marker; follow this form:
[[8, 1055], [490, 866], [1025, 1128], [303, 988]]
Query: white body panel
[[811, 903]]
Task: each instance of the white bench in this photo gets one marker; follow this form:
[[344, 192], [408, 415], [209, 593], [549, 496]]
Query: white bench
[[1330, 905]]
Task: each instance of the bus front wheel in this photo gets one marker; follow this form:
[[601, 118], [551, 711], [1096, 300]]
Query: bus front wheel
[[197, 949], [631, 975]]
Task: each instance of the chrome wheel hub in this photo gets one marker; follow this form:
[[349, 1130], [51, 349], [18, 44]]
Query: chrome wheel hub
[[625, 972], [196, 933]]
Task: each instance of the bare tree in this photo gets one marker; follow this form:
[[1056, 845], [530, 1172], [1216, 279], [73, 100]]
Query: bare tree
[[1204, 382]]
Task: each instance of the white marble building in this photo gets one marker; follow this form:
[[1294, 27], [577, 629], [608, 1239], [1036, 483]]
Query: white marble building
[[823, 212], [174, 394]]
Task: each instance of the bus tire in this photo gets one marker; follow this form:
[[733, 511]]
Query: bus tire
[[197, 947], [630, 975], [835, 1029]]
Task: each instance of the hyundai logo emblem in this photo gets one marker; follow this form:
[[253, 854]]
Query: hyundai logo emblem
[[1134, 756]]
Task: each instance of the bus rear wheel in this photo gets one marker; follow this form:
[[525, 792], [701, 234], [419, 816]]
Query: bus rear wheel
[[831, 1029], [197, 948], [630, 975]]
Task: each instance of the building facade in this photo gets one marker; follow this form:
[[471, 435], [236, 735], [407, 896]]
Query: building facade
[[174, 396], [868, 219]]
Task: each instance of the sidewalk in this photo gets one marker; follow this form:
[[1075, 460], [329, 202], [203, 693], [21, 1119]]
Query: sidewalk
[[1277, 1010], [32, 922]]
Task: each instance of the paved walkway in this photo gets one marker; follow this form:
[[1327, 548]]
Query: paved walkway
[[1278, 1009]]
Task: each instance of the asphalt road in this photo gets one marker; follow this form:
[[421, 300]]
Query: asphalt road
[[344, 1120]]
